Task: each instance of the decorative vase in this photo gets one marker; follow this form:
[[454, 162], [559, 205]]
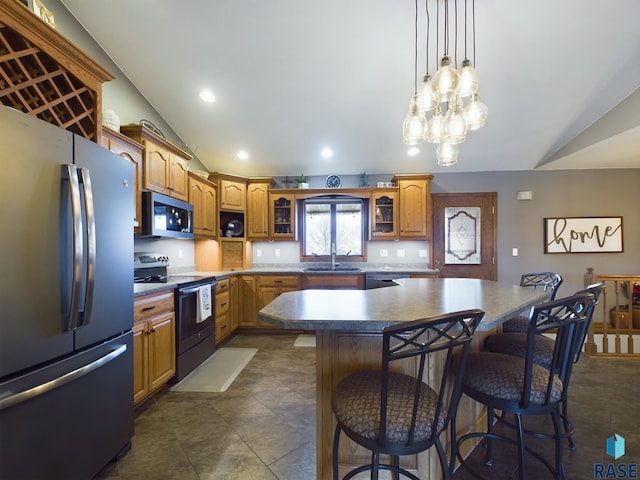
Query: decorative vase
[[303, 185]]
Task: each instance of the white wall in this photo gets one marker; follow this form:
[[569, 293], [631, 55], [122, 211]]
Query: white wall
[[396, 252], [565, 193]]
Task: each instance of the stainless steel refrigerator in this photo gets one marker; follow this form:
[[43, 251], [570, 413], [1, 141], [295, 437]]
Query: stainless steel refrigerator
[[66, 302]]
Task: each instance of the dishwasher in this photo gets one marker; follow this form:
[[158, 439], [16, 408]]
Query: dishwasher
[[383, 279]]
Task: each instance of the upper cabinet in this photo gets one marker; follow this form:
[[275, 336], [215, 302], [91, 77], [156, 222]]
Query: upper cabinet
[[384, 214], [414, 197], [232, 191], [202, 195], [164, 164], [258, 209], [131, 151], [45, 75], [282, 226]]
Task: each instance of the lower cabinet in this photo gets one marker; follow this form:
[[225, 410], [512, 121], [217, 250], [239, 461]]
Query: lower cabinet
[[258, 290], [154, 343], [334, 281], [270, 287], [225, 310], [247, 311]]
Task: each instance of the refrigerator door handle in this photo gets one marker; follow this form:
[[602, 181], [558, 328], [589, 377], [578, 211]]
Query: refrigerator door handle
[[38, 390], [90, 226], [69, 174]]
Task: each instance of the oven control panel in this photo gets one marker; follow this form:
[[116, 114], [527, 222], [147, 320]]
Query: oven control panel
[[150, 259]]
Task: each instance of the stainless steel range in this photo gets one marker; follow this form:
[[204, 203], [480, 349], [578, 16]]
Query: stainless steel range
[[195, 325]]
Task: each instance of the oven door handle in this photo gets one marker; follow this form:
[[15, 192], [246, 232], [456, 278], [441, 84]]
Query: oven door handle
[[190, 290]]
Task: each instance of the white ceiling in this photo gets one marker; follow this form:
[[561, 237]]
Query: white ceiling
[[292, 76]]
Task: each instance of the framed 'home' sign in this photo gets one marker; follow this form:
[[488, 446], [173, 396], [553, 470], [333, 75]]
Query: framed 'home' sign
[[583, 235]]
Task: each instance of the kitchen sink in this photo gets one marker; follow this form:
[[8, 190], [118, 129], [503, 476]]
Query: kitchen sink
[[331, 270]]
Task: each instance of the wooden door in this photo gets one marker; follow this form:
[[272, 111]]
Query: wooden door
[[465, 235], [162, 350], [258, 210], [178, 178]]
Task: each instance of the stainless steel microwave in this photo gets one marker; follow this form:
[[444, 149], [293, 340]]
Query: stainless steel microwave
[[163, 216]]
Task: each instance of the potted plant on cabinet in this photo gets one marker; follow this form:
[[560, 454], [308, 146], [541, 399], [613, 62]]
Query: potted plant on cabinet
[[303, 181]]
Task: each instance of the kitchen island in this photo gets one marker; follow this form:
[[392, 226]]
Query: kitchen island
[[348, 325]]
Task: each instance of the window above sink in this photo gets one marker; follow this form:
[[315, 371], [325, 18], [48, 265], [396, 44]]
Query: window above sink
[[333, 229]]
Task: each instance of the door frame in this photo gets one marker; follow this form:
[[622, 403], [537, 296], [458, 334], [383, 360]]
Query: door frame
[[489, 232]]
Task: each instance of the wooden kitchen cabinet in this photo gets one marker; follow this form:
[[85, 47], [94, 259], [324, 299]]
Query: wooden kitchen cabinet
[[232, 191], [247, 306], [234, 302], [414, 199], [202, 195], [154, 343], [223, 311], [164, 164], [45, 75], [282, 226], [333, 281], [384, 214], [132, 152], [258, 209], [270, 287], [232, 255]]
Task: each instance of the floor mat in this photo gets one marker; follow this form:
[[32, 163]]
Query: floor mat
[[218, 372], [304, 340]]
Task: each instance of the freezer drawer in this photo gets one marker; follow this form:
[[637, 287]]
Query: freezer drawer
[[73, 430]]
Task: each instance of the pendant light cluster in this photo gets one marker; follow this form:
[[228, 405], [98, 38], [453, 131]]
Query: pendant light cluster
[[447, 105]]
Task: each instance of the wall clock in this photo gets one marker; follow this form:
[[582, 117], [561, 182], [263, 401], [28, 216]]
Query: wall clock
[[333, 181]]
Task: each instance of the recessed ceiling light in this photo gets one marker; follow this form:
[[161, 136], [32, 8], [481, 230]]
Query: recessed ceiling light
[[207, 96], [413, 151], [242, 154], [326, 152]]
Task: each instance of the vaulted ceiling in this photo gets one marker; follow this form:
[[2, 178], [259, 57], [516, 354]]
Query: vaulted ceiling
[[561, 80]]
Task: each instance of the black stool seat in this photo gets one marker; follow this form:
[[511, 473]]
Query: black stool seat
[[356, 405], [501, 377]]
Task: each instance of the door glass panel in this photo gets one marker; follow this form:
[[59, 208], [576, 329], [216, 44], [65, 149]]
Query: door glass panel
[[462, 235]]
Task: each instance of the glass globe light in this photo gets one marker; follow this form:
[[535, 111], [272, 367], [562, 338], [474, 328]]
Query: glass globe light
[[468, 79], [446, 81], [427, 99], [447, 154], [476, 113], [435, 127], [414, 125], [455, 123]]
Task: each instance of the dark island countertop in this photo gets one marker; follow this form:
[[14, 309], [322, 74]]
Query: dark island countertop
[[412, 299]]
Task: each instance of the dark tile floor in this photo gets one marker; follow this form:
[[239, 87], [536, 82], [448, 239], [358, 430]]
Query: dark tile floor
[[263, 426]]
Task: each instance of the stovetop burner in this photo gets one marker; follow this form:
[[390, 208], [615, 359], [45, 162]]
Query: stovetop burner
[[159, 278], [150, 275]]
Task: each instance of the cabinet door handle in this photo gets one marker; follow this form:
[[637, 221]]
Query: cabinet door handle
[[146, 309], [223, 304]]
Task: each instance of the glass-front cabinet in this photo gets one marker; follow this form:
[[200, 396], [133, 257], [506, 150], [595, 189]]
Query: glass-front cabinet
[[384, 218], [282, 216]]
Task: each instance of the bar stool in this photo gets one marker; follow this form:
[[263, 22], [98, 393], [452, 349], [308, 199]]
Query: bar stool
[[547, 281], [515, 343], [521, 387], [396, 414]]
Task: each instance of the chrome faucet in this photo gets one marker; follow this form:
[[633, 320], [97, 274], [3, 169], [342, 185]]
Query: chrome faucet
[[333, 256]]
